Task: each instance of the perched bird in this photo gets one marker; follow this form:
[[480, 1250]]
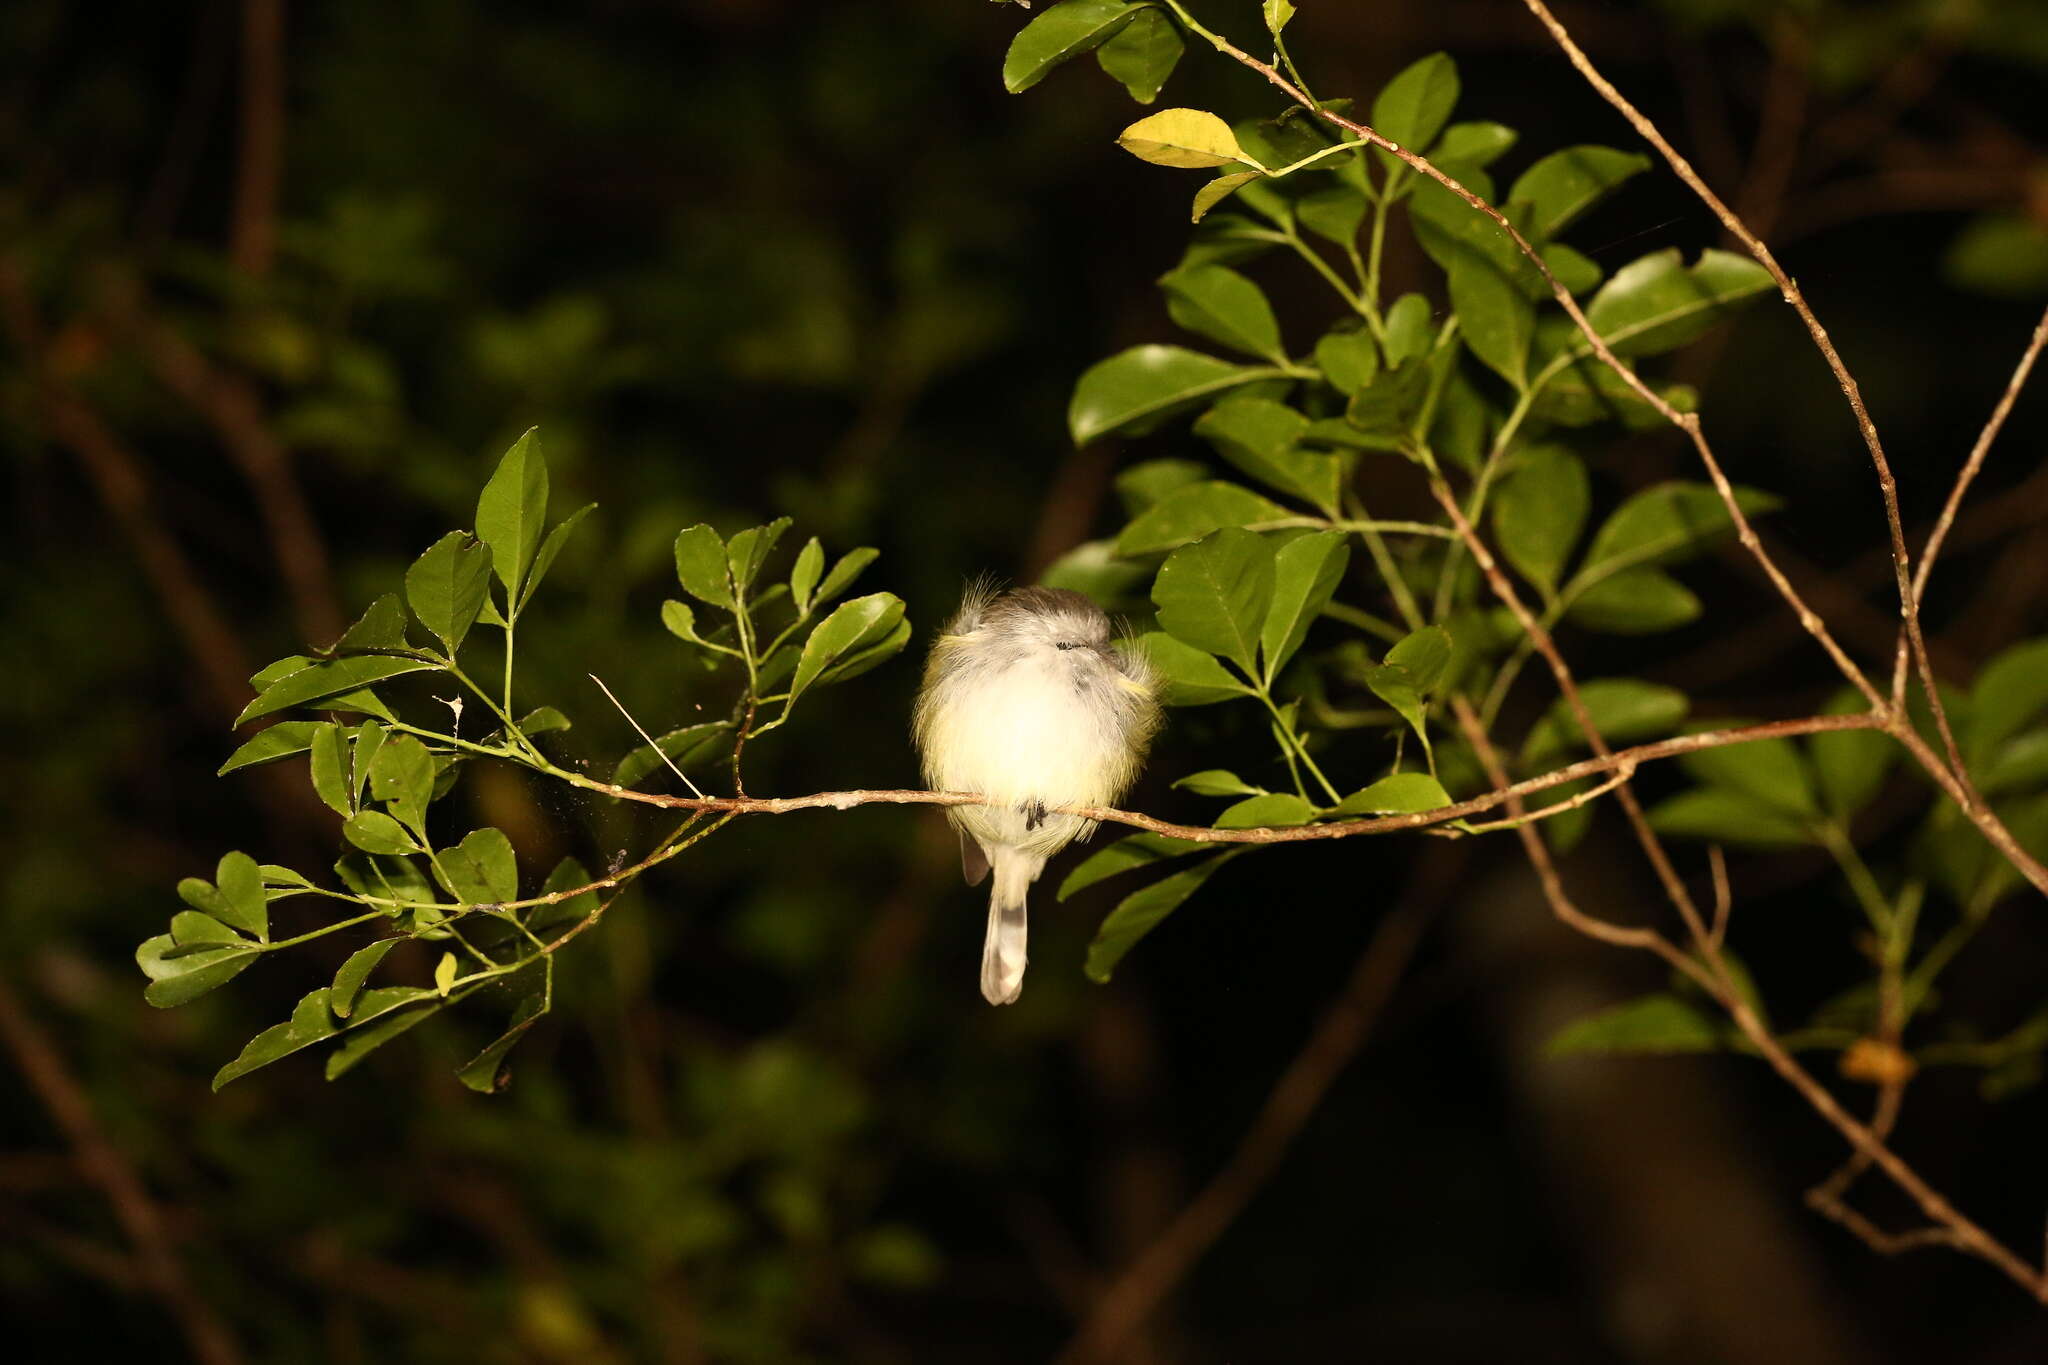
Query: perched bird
[[1027, 701]]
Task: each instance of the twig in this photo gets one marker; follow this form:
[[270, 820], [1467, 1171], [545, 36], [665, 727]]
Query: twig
[[1977, 453], [105, 1165], [1342, 829], [658, 750], [1717, 867], [1137, 1291]]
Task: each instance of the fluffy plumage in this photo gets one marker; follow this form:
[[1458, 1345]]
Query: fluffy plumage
[[1027, 701]]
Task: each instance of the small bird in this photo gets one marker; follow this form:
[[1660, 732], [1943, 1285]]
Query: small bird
[[1027, 701]]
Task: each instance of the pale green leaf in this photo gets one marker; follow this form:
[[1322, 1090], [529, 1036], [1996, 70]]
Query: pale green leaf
[[1184, 138]]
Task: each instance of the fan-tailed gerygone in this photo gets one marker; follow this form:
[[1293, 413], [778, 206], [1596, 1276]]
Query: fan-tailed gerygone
[[1026, 701]]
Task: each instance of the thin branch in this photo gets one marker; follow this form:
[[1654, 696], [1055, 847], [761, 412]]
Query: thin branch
[[108, 1168], [1887, 486], [659, 752], [1342, 829], [1977, 453]]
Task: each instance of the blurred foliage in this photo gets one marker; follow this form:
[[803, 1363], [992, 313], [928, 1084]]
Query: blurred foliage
[[735, 275]]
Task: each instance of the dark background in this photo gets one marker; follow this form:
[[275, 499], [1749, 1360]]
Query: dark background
[[740, 258]]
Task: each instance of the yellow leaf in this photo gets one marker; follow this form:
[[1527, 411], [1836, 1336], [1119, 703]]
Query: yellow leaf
[[1183, 137], [1219, 189], [444, 973]]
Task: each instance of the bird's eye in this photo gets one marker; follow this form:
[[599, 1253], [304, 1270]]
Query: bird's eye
[[1063, 644]]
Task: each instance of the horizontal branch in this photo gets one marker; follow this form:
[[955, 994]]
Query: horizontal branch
[[1341, 829]]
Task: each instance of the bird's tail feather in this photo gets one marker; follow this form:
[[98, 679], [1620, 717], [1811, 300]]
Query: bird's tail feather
[[1002, 953]]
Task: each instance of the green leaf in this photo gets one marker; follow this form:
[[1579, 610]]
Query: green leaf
[[701, 566], [1670, 522], [1150, 482], [348, 981], [322, 680], [310, 1023], [843, 573], [446, 586], [1277, 14], [1773, 771], [1194, 512], [1214, 594], [1423, 655], [1577, 272], [1624, 710], [1725, 816], [750, 549], [513, 510], [1133, 391], [803, 579], [242, 902], [1060, 34], [1276, 809], [190, 928], [444, 974], [1656, 304], [1539, 512], [487, 1072], [402, 777], [281, 740], [2020, 763], [1560, 188], [184, 977], [1334, 213], [328, 769], [1191, 676], [1394, 687], [1218, 782], [1188, 139], [2009, 693], [1212, 194], [1638, 602], [544, 720], [1141, 911], [866, 656], [369, 740], [1222, 305], [1142, 54], [1400, 794], [852, 627], [567, 876], [1349, 360], [381, 627], [1475, 144], [1411, 329], [375, 832], [1259, 436], [1850, 765], [1306, 571], [1496, 319], [2004, 255], [481, 869], [1414, 106], [1657, 1024], [1125, 855], [396, 1009], [549, 549], [691, 744]]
